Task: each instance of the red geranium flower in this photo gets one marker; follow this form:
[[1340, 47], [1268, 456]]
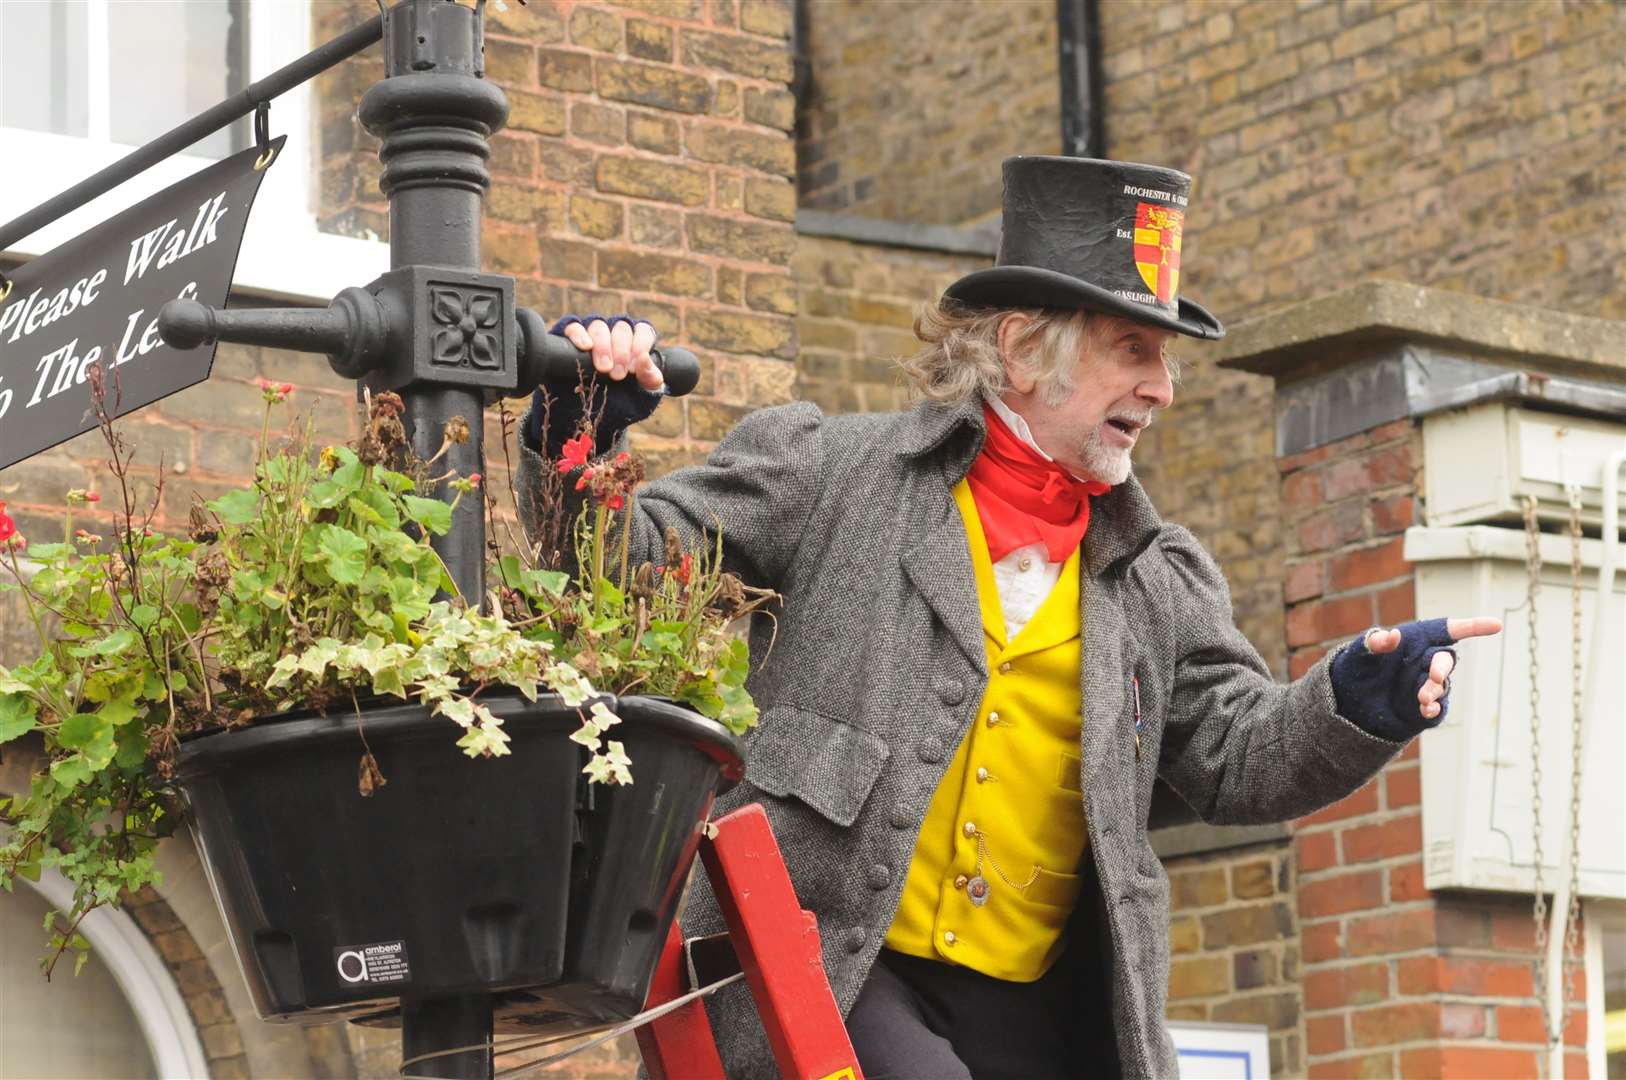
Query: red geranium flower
[[576, 453], [8, 527], [685, 568]]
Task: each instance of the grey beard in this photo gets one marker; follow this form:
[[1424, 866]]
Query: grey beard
[[1108, 464]]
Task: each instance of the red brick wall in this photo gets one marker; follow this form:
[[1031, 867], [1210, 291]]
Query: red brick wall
[[1345, 507], [1397, 980]]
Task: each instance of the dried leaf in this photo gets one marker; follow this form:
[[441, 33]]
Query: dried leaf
[[371, 778]]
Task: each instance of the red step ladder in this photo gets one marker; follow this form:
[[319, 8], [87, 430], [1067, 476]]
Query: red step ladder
[[777, 946]]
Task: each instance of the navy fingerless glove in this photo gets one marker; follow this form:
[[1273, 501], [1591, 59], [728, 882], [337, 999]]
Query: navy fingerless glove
[[615, 405], [1378, 691]]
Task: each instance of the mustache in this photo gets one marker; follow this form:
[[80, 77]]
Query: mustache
[[1139, 419]]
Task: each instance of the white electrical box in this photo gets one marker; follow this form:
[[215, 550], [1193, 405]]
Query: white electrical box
[[1477, 765], [1480, 462]]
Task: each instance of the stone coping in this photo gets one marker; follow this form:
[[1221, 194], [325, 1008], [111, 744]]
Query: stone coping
[[944, 239], [1339, 329]]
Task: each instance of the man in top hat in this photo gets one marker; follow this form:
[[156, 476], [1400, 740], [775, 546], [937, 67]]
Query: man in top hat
[[991, 647]]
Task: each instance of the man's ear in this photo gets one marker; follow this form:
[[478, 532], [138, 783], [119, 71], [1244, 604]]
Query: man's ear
[[1018, 371]]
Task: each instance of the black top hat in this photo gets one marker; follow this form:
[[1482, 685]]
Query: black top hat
[[1087, 233]]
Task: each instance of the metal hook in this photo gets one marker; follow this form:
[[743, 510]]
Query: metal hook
[[262, 135]]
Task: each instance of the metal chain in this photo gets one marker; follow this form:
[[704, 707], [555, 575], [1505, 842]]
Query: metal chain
[[1538, 911], [1572, 917], [982, 853]]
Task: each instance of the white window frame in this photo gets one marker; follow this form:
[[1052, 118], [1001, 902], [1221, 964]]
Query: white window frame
[[149, 989], [284, 256]]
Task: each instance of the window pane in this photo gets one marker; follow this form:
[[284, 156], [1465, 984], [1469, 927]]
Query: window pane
[[72, 1026], [172, 59], [43, 82]]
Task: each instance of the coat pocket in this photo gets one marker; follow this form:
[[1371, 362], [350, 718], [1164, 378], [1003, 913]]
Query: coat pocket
[[827, 764]]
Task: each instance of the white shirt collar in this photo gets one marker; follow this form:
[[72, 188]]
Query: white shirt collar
[[1014, 421]]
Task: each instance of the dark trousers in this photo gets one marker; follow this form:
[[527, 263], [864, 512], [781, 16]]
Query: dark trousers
[[921, 1019]]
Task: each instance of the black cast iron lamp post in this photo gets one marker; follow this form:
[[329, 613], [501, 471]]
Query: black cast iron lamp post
[[434, 329]]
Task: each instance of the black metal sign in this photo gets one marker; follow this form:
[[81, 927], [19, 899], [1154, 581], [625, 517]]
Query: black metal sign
[[95, 300]]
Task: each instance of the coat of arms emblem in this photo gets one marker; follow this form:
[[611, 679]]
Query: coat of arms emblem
[[1157, 248]]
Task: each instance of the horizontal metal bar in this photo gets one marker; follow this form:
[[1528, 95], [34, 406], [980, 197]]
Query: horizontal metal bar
[[201, 126]]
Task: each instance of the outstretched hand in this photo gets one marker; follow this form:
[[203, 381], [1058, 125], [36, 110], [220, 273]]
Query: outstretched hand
[[620, 350], [1438, 683]]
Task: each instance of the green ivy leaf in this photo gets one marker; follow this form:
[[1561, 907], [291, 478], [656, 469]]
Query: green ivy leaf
[[91, 734], [153, 688], [71, 772], [508, 568], [325, 494], [116, 643], [351, 474], [18, 715], [398, 483], [189, 617], [545, 582], [410, 599], [344, 554], [132, 748], [435, 516], [388, 681], [237, 507], [373, 507], [121, 710]]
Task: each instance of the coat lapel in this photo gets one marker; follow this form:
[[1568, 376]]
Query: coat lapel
[[939, 564], [1121, 522]]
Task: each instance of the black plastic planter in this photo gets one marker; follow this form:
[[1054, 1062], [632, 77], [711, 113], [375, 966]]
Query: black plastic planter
[[505, 876]]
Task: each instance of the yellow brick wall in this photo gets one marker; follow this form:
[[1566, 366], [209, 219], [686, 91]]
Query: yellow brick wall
[[910, 105]]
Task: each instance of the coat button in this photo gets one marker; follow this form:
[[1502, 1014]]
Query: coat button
[[903, 816], [880, 876], [930, 750], [855, 939], [952, 691]]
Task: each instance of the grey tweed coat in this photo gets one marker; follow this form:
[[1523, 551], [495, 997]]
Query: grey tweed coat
[[879, 667]]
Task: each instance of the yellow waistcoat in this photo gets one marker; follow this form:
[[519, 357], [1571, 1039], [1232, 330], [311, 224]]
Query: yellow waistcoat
[[1009, 811]]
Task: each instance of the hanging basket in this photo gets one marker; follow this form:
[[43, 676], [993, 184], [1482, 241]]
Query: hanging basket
[[507, 876]]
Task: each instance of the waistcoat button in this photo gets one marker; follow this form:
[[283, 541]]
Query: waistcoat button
[[948, 937], [1005, 668], [880, 876], [855, 939]]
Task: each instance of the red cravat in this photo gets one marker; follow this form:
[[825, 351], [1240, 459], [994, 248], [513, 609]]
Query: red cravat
[[1023, 499]]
